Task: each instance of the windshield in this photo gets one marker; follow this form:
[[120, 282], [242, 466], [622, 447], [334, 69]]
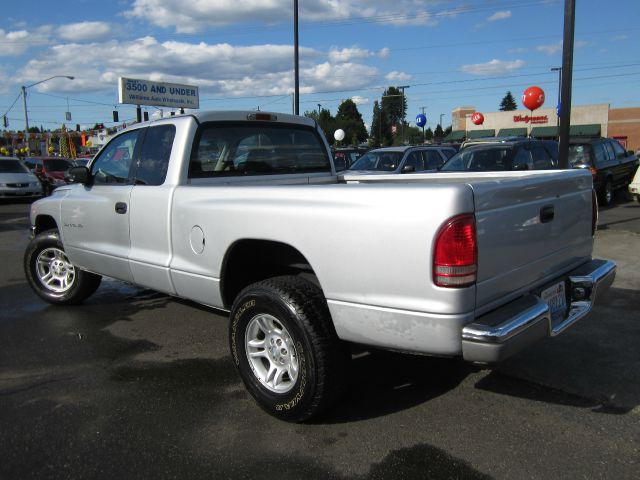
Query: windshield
[[479, 160], [378, 161], [56, 165], [12, 166]]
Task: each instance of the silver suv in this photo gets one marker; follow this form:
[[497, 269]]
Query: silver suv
[[402, 159]]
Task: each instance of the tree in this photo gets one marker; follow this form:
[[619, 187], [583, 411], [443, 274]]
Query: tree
[[327, 124], [380, 129], [439, 133], [350, 120], [394, 106], [428, 134], [508, 103]]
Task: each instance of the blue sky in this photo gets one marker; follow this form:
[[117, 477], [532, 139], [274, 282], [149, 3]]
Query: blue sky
[[240, 54]]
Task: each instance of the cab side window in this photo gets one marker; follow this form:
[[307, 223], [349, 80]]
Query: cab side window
[[522, 160], [433, 159], [415, 159], [610, 153], [541, 159], [114, 163], [151, 168], [617, 148], [599, 154]]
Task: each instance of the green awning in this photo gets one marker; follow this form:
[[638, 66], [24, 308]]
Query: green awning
[[544, 132], [592, 130], [481, 133], [455, 135], [513, 132]]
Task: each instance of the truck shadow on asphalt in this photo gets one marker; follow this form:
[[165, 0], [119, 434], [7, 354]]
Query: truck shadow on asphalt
[[381, 382]]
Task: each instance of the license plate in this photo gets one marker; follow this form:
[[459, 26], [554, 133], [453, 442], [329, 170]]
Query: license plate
[[555, 297]]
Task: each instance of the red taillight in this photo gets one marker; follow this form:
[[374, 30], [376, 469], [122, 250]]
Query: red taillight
[[594, 212], [455, 257]]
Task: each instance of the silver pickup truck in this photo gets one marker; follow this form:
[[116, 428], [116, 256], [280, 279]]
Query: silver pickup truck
[[244, 211]]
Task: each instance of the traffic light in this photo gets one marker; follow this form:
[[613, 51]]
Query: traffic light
[[77, 127], [5, 121], [145, 116], [115, 116]]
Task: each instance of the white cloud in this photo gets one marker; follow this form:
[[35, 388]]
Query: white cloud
[[358, 100], [494, 67], [397, 76], [84, 31], [191, 17], [502, 15], [348, 54], [550, 49], [19, 41], [217, 69], [384, 52], [517, 50]]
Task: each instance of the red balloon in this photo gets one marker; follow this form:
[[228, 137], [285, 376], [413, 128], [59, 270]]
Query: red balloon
[[477, 118], [533, 98]]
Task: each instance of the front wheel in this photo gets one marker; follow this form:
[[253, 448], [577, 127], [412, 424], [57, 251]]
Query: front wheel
[[285, 348], [52, 276]]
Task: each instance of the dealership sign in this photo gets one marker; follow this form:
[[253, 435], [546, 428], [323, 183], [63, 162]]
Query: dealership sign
[[145, 92], [531, 119]]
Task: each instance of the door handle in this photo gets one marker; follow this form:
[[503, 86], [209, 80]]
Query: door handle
[[546, 214], [121, 207]]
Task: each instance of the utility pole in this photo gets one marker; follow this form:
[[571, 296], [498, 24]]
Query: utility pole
[[319, 111], [296, 62], [424, 138], [441, 115], [567, 78]]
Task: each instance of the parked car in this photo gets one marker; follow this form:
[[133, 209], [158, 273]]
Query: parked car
[[505, 154], [634, 186], [611, 166], [50, 170], [343, 158], [402, 159], [16, 180]]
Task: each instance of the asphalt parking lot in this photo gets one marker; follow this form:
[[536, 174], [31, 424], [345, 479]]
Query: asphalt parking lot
[[134, 384]]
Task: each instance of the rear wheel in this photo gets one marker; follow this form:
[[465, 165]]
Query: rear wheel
[[285, 348], [607, 193], [52, 276]]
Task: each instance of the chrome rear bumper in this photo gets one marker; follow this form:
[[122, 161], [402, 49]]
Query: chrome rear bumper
[[507, 330]]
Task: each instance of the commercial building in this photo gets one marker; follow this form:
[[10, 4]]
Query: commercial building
[[586, 120]]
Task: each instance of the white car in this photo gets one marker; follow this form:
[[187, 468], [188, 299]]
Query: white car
[[16, 180], [634, 186]]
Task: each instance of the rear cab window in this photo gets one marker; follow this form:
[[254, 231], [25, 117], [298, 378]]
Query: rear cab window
[[223, 149]]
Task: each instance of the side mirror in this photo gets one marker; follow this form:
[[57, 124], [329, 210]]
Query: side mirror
[[408, 169], [79, 175]]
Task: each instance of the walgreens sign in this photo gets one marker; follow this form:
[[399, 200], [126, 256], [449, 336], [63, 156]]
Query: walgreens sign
[[528, 119]]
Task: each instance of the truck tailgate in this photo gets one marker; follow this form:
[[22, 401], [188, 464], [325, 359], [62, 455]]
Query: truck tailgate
[[530, 230], [532, 226]]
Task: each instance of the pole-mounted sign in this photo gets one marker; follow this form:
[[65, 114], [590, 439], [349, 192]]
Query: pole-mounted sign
[[145, 92]]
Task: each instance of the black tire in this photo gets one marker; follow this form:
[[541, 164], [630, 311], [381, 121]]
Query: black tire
[[298, 314], [52, 276], [606, 197]]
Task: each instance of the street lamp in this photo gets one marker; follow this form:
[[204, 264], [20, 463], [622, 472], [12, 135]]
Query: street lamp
[[24, 98], [559, 70]]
